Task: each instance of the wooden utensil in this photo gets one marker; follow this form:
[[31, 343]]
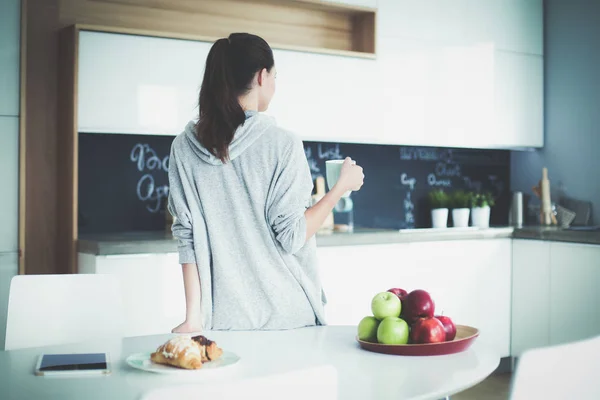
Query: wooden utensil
[[542, 190]]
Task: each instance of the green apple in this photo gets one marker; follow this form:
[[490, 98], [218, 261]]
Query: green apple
[[393, 330], [367, 329], [386, 304]]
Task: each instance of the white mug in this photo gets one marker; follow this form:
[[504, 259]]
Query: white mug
[[333, 169]]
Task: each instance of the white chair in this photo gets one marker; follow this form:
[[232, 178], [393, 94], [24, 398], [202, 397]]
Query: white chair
[[568, 371], [317, 383], [46, 310]]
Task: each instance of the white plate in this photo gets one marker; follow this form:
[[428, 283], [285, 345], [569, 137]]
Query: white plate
[[142, 361]]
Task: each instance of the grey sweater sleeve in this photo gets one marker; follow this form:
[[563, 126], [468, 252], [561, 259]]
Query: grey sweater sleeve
[[179, 209], [289, 198]]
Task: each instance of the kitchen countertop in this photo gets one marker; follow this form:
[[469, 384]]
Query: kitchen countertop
[[163, 242], [556, 234]]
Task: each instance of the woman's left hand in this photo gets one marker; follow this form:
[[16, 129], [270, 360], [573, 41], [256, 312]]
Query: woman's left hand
[[188, 327]]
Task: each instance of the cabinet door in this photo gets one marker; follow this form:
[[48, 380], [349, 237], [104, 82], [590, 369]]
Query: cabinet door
[[436, 94], [574, 294], [352, 276], [119, 93], [327, 98], [519, 88], [434, 21], [10, 23], [152, 287], [9, 176], [470, 281], [512, 25], [530, 295]]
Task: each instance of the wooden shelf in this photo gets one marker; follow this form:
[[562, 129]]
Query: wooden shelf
[[302, 25]]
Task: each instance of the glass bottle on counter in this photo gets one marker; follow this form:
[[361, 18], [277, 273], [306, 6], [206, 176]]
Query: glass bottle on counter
[[343, 214]]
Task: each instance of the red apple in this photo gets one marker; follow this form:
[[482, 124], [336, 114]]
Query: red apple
[[401, 293], [427, 330], [449, 327], [418, 304]]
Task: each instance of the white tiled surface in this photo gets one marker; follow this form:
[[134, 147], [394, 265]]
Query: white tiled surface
[[8, 269], [9, 183]]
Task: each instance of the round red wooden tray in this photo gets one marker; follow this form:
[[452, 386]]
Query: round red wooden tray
[[465, 336]]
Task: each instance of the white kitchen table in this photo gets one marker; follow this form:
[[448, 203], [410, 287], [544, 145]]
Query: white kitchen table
[[361, 374]]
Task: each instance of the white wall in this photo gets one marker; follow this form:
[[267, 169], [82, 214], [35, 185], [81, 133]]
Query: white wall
[[9, 149]]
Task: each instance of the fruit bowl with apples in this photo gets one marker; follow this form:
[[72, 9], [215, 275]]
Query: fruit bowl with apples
[[405, 323]]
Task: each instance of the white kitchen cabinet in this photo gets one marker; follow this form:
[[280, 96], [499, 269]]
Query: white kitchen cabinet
[[352, 275], [119, 93], [10, 23], [320, 97], [435, 21], [152, 288], [530, 295], [436, 95], [9, 267], [511, 25], [469, 96], [574, 292], [439, 89], [469, 281], [9, 176], [519, 101], [327, 98]]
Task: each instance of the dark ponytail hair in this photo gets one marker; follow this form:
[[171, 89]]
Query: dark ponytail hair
[[230, 67]]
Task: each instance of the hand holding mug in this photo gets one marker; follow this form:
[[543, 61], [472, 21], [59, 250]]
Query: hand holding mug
[[351, 176]]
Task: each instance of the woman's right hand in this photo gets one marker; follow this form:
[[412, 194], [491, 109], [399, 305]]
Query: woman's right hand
[[351, 176], [188, 326]]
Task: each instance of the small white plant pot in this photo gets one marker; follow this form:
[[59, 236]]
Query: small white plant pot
[[460, 217], [439, 217], [480, 217]]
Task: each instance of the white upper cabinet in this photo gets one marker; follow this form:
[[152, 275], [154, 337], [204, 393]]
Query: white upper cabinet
[[138, 85], [461, 73], [320, 97], [469, 96], [327, 98], [10, 23], [519, 100], [511, 25], [453, 73], [441, 21]]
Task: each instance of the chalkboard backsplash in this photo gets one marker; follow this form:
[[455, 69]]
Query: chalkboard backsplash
[[123, 180]]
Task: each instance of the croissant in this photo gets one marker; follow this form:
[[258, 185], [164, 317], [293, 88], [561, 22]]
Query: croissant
[[187, 352], [208, 349], [180, 351]]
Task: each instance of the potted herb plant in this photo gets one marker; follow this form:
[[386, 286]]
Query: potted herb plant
[[439, 201], [481, 204], [460, 202]]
